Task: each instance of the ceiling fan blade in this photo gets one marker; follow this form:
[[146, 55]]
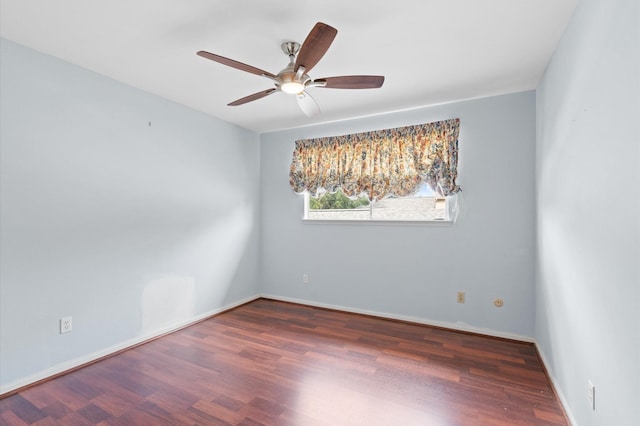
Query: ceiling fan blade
[[352, 82], [307, 104], [253, 97], [234, 64], [315, 46]]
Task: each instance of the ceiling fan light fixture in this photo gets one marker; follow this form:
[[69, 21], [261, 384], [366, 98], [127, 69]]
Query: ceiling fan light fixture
[[292, 87]]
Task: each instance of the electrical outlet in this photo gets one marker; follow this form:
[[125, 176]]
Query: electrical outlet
[[305, 279], [461, 297], [66, 325], [592, 395]]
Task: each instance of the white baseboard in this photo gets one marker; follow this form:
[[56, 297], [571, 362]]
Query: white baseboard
[[554, 383], [417, 320], [69, 365]]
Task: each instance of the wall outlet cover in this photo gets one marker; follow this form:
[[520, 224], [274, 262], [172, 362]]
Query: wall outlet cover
[[66, 325]]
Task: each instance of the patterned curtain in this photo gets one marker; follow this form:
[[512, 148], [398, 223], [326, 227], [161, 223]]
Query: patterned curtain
[[379, 163]]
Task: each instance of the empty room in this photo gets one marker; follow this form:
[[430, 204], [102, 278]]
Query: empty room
[[320, 213]]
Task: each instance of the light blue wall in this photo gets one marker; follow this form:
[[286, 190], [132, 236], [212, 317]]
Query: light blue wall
[[588, 213], [132, 228], [415, 271], [128, 227]]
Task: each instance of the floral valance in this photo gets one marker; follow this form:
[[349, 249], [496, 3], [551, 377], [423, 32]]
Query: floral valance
[[379, 163]]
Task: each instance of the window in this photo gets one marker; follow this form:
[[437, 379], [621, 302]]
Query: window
[[382, 175], [424, 205]]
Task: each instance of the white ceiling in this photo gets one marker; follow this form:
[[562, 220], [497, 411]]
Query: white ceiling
[[430, 51]]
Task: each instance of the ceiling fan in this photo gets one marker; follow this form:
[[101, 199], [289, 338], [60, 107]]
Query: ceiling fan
[[293, 79]]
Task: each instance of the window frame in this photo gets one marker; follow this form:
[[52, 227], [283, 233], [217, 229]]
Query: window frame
[[445, 222]]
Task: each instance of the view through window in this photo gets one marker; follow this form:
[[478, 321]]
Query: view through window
[[424, 205]]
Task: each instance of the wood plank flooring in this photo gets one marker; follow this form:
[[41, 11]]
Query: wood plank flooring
[[276, 363]]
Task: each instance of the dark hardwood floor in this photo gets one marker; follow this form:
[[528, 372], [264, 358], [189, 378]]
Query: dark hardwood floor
[[276, 363]]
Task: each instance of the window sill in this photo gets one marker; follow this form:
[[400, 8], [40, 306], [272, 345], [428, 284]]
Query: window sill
[[376, 222]]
